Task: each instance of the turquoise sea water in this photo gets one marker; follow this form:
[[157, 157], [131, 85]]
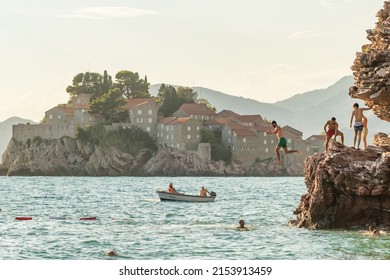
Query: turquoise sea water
[[136, 225]]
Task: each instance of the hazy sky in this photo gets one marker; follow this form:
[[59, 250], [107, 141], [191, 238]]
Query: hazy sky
[[267, 50]]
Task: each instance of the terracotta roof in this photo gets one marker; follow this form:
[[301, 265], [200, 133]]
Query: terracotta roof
[[213, 122], [263, 128], [227, 114], [228, 120], [251, 118], [237, 126], [81, 106], [174, 120], [163, 120], [196, 109], [134, 102], [69, 111]]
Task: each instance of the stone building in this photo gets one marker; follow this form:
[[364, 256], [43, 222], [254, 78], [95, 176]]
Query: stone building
[[316, 143], [180, 133], [197, 111], [143, 114]]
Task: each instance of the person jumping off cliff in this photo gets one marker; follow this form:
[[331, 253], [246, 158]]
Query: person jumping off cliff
[[282, 143]]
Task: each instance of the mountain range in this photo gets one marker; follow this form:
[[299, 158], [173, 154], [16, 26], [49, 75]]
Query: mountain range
[[306, 112]]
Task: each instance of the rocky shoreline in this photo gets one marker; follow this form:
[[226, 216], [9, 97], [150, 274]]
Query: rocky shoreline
[[68, 157]]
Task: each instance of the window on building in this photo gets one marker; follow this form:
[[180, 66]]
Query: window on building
[[265, 142], [150, 120], [265, 133], [272, 141], [189, 128], [188, 136], [177, 145], [162, 135], [50, 116], [171, 136], [228, 140], [167, 136], [148, 128], [197, 136], [59, 117], [158, 134], [197, 128], [150, 112], [266, 150], [244, 140], [90, 118], [139, 112], [167, 128], [172, 128], [162, 126], [307, 149], [289, 141]]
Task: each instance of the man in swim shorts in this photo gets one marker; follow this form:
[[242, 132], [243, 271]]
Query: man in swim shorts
[[282, 143], [333, 130], [357, 113]]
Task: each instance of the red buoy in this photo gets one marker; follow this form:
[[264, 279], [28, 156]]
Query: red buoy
[[23, 218], [87, 218]]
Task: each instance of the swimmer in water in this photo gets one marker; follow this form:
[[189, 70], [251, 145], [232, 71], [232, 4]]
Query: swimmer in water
[[242, 225]]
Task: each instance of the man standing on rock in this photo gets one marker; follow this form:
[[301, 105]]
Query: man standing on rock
[[333, 129], [282, 143], [357, 113]]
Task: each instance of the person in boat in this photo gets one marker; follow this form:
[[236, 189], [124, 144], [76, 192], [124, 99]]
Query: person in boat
[[203, 191], [242, 225], [282, 143], [171, 189], [331, 128]]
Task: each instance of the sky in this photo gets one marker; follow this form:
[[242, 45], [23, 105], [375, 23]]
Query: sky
[[267, 50]]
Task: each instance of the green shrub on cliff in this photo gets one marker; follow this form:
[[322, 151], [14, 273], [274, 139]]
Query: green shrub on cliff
[[129, 140]]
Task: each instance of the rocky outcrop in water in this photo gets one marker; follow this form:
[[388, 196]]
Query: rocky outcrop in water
[[68, 157], [347, 187]]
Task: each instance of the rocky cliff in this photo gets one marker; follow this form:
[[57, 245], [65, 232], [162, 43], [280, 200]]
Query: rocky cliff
[[347, 187], [68, 157]]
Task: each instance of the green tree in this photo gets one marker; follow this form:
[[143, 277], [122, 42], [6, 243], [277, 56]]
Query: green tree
[[218, 150], [187, 95], [169, 100], [88, 82], [131, 85], [110, 105]]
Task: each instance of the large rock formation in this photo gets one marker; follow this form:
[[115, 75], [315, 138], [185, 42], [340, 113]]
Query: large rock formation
[[68, 157], [371, 67], [347, 187]]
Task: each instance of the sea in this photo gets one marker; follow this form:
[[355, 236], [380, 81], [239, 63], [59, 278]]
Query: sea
[[136, 225]]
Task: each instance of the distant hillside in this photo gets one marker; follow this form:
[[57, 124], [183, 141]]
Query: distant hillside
[[307, 112], [312, 110], [6, 131], [239, 105]]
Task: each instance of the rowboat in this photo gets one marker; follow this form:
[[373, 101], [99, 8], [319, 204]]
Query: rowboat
[[164, 195]]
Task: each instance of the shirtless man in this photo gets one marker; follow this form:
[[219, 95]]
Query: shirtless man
[[282, 143], [171, 189], [333, 130], [203, 192], [357, 113]]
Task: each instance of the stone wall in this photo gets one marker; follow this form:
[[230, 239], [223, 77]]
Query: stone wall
[[22, 132]]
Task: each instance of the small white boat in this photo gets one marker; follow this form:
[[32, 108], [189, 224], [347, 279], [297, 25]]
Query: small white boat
[[164, 195]]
